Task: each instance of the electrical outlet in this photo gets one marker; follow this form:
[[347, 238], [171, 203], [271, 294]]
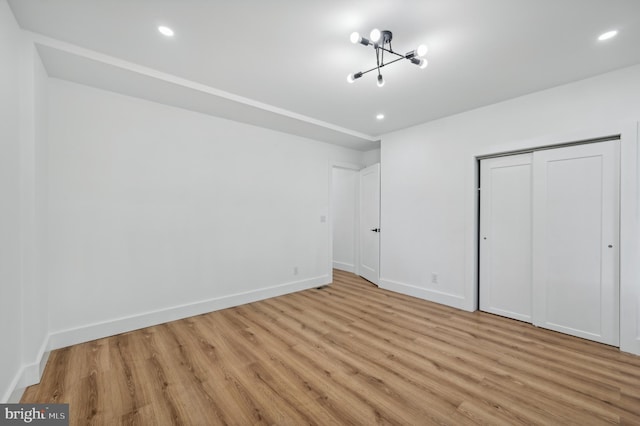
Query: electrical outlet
[[434, 278], [295, 270]]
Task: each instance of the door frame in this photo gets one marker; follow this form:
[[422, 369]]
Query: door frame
[[356, 255], [628, 133]]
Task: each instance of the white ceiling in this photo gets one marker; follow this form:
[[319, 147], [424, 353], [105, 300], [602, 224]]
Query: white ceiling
[[283, 63]]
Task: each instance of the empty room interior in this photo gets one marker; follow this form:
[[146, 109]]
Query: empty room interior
[[321, 212]]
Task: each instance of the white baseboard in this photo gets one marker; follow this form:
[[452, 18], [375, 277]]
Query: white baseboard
[[631, 346], [448, 299], [13, 393], [15, 396], [86, 333], [32, 373], [344, 266], [29, 374]]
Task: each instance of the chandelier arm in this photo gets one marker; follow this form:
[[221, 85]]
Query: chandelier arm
[[391, 51], [381, 66], [395, 60], [369, 70], [381, 47]]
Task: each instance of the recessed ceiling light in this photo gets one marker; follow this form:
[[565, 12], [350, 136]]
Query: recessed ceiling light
[[165, 31], [380, 116], [608, 35]]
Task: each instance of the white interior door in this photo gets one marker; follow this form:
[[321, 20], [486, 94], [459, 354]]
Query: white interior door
[[505, 236], [369, 265], [575, 243]]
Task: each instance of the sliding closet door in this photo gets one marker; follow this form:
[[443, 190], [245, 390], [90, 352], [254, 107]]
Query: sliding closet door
[[575, 240], [505, 236]]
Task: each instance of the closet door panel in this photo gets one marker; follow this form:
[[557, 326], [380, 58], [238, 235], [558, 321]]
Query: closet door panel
[[505, 236], [575, 240]]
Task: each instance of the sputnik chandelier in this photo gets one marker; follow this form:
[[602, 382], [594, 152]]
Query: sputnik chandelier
[[381, 42]]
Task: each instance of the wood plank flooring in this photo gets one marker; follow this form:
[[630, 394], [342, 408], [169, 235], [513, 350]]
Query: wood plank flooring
[[349, 353]]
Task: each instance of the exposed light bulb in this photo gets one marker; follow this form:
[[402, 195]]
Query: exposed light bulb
[[380, 117], [380, 80], [375, 35], [608, 35], [165, 31], [420, 51], [355, 37]]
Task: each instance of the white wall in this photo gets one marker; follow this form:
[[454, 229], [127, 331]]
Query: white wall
[[157, 213], [428, 173], [10, 277], [33, 211], [23, 298], [344, 208], [369, 158]]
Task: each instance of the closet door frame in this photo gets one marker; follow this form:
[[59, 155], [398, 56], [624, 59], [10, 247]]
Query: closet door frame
[[629, 216]]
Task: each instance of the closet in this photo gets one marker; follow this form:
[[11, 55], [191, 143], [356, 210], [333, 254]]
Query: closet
[[549, 238]]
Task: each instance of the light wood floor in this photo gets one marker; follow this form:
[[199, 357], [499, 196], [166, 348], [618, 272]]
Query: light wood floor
[[346, 354]]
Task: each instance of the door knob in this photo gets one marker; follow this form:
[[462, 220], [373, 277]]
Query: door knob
[[376, 229]]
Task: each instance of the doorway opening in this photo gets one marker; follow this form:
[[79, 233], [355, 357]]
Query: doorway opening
[[355, 220]]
